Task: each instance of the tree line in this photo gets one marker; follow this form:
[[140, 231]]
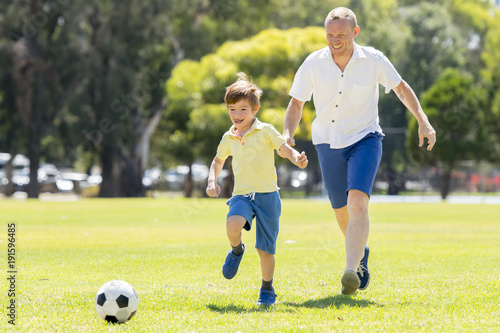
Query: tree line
[[130, 83]]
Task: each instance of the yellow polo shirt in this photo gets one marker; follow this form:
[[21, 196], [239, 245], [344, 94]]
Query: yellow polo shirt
[[253, 158]]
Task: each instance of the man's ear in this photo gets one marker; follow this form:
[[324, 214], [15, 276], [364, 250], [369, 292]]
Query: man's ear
[[356, 31]]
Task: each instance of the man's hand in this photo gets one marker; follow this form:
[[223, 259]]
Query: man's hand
[[290, 141], [426, 131]]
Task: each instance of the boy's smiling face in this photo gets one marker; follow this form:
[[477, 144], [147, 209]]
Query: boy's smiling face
[[242, 115]]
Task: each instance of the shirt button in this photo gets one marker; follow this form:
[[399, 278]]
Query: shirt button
[[340, 92], [336, 106], [342, 75], [333, 120]]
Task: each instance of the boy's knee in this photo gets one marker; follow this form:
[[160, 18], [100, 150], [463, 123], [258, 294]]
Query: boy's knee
[[235, 223], [264, 254]]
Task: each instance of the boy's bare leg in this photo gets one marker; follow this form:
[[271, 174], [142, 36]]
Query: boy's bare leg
[[234, 225], [267, 264], [267, 295]]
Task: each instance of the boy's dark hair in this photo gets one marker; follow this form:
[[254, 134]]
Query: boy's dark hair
[[243, 88]]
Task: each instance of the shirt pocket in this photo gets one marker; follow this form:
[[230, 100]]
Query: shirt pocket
[[360, 94]]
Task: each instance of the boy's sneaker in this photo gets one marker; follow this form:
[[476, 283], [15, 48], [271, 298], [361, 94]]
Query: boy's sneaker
[[266, 297], [230, 266], [363, 273], [350, 282]]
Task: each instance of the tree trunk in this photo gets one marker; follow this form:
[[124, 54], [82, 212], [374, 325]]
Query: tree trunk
[[188, 187], [35, 137], [25, 55], [136, 163], [9, 188], [445, 183], [395, 180], [110, 186], [131, 179], [34, 157]]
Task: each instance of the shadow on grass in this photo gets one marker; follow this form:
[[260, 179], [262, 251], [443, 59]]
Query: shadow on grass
[[241, 309], [326, 302], [334, 301]]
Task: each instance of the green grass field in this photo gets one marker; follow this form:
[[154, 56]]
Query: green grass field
[[434, 268]]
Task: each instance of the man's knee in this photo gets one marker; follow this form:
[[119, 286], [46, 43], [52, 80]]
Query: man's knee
[[342, 213], [357, 202]]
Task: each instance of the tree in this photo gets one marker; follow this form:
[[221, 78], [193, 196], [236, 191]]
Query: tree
[[455, 107], [128, 65], [196, 117], [40, 78], [89, 87], [461, 101], [123, 90], [425, 38], [490, 77]]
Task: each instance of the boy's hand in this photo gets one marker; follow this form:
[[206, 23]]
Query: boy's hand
[[301, 160], [213, 189]]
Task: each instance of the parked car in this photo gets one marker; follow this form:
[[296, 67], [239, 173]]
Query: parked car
[[20, 170], [151, 177], [176, 177], [49, 177]]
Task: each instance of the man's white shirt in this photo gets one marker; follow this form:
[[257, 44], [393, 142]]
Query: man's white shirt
[[346, 102]]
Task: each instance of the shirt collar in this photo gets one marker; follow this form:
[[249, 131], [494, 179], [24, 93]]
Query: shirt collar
[[256, 125], [357, 54]]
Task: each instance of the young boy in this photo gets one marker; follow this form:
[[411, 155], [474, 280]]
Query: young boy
[[251, 143]]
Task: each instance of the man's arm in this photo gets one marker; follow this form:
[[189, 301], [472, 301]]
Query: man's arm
[[292, 118], [410, 100]]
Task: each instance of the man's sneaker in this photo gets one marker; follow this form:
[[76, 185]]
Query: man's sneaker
[[363, 272], [350, 282], [266, 297], [230, 266]]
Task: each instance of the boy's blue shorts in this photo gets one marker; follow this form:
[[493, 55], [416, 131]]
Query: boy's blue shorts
[[266, 208], [350, 168]]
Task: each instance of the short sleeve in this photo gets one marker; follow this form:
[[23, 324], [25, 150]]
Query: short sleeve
[[275, 137], [302, 86], [223, 150], [388, 75]]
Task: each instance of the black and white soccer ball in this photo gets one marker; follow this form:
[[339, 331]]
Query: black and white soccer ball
[[116, 301]]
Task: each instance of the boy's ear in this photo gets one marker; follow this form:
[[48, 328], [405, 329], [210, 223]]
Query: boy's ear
[[256, 109]]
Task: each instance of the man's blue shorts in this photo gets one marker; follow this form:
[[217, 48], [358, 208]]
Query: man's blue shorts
[[266, 208], [350, 168]]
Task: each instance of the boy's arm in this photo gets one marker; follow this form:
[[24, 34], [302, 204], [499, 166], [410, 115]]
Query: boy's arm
[[213, 189], [299, 159]]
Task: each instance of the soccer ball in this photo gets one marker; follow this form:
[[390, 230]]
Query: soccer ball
[[116, 301]]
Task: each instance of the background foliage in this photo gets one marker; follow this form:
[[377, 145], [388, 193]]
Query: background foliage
[[86, 83]]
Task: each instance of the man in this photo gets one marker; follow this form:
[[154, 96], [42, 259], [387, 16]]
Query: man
[[343, 79]]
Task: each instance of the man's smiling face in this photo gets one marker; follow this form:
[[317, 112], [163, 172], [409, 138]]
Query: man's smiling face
[[340, 36]]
